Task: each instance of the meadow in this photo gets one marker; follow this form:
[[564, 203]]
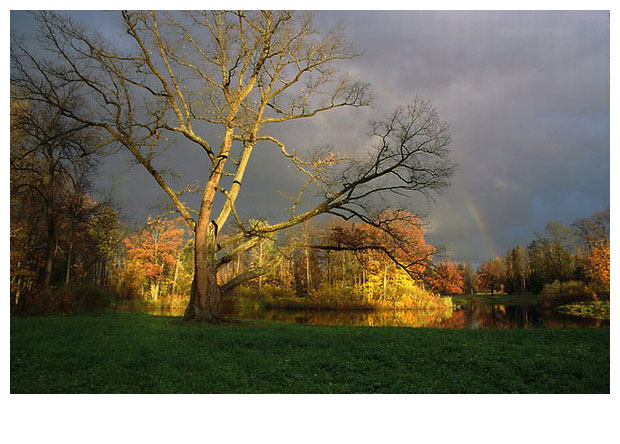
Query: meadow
[[138, 353]]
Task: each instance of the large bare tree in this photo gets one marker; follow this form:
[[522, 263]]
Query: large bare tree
[[236, 75]]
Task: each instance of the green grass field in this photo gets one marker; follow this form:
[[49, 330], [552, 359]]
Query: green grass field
[[137, 353]]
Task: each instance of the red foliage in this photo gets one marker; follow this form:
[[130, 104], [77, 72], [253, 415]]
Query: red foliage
[[447, 279], [491, 275], [395, 236], [154, 249]]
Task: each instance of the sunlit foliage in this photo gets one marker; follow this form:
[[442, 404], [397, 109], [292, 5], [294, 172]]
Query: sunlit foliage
[[491, 275], [153, 256], [447, 278]]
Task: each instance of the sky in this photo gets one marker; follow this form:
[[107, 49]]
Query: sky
[[526, 96]]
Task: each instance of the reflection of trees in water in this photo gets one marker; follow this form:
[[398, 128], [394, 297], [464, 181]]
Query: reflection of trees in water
[[396, 318], [553, 319], [522, 316], [502, 316], [471, 316]]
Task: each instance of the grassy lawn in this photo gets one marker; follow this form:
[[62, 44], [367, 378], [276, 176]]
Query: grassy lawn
[[136, 353]]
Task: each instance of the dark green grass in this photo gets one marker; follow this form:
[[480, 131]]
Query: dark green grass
[[136, 353]]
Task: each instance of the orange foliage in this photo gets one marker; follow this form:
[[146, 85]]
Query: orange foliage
[[491, 275], [152, 252], [447, 279], [398, 237], [597, 265]]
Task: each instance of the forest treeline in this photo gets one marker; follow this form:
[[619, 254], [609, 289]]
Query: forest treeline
[[71, 251], [565, 263]]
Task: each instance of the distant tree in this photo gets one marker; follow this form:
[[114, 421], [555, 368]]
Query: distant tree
[[51, 158], [154, 252], [396, 238], [594, 259], [555, 249], [517, 270], [447, 278], [594, 231], [491, 275], [470, 285], [598, 269]]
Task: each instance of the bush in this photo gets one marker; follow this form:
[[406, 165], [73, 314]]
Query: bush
[[37, 302], [90, 299], [70, 299], [400, 295], [560, 293]]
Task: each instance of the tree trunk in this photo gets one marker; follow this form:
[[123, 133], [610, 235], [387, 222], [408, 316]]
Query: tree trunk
[[308, 282], [176, 273], [154, 290], [385, 270], [206, 295], [50, 252], [260, 264], [68, 273]]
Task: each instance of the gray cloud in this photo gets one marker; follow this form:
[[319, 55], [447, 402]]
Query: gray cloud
[[526, 95]]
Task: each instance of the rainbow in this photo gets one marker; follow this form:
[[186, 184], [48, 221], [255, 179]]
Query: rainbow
[[482, 228]]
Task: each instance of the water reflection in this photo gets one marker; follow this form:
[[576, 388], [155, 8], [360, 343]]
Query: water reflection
[[473, 315]]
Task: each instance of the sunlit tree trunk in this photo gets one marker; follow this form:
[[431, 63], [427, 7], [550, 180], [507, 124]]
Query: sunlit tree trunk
[[176, 273], [154, 290], [206, 296], [385, 270], [68, 272], [308, 282], [260, 264], [343, 270], [50, 251]]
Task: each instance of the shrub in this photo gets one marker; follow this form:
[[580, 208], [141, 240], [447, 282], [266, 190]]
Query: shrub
[[560, 293], [70, 299], [37, 302], [400, 295], [87, 298]]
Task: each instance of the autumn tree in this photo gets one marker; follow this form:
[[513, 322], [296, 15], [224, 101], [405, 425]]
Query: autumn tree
[[597, 268], [390, 249], [396, 236], [491, 275], [553, 252], [469, 278], [446, 278], [238, 75], [517, 270], [154, 253], [593, 233]]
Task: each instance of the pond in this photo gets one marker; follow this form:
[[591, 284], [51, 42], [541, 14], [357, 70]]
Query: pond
[[469, 312]]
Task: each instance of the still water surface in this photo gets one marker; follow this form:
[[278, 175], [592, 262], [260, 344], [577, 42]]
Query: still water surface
[[467, 314]]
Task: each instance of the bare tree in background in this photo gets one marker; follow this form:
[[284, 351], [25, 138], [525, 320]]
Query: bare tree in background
[[237, 75], [51, 158]]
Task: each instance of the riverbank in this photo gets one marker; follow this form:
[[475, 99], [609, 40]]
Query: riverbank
[[137, 353]]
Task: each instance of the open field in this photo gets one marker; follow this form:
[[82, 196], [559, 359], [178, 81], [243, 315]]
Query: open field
[[137, 353]]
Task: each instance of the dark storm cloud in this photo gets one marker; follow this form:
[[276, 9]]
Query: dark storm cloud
[[526, 95], [527, 98]]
